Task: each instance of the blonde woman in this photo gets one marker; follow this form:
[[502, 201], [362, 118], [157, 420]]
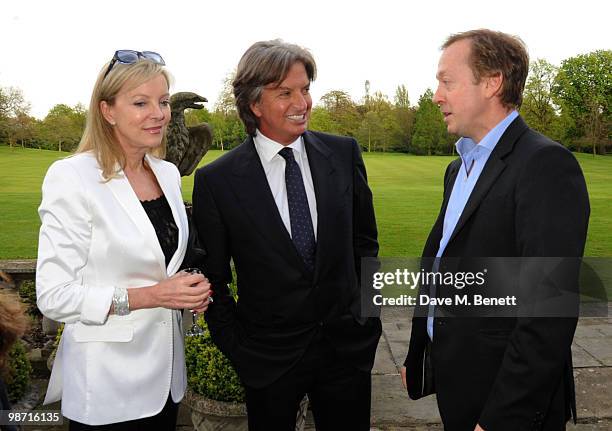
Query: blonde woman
[[113, 235]]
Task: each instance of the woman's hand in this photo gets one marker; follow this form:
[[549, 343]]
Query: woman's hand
[[209, 298], [180, 291]]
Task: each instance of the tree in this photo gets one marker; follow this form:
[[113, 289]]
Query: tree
[[583, 87], [537, 109], [342, 110], [21, 129], [321, 120], [13, 110], [63, 127], [197, 116], [379, 129], [401, 97], [430, 135], [228, 129], [404, 117]]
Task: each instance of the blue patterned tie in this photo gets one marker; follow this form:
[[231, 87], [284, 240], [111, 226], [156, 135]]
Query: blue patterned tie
[[302, 232]]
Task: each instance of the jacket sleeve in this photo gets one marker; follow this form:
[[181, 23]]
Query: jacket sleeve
[[552, 212], [212, 235], [365, 233], [365, 239], [63, 248]]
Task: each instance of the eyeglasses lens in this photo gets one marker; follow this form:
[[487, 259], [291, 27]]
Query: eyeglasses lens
[[127, 57]]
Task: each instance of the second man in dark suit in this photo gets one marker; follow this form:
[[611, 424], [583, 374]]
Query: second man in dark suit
[[293, 210]]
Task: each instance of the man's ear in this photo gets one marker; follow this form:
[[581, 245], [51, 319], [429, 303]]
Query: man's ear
[[107, 112], [494, 84], [255, 109]]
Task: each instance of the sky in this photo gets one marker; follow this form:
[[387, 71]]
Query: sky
[[53, 50]]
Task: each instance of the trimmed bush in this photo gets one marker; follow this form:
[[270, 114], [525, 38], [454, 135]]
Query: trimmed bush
[[27, 290], [19, 371], [209, 372], [27, 293]]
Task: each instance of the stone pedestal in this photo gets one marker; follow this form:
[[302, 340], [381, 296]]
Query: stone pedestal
[[211, 415]]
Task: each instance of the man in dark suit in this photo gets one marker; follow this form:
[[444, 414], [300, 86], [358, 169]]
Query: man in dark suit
[[293, 210], [512, 193]]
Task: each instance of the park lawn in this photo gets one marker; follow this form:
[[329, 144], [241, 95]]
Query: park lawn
[[407, 195]]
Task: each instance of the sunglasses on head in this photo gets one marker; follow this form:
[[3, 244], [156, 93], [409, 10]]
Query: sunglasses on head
[[128, 56]]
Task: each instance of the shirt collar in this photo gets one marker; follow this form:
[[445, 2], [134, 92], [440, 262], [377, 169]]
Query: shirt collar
[[268, 148], [465, 145]]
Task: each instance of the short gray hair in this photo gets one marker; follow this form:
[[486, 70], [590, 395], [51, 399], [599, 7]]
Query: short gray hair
[[264, 63]]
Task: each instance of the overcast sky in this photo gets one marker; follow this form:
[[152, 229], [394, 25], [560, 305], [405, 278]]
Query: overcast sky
[[53, 50]]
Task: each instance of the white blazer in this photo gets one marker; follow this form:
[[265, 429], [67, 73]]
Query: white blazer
[[95, 235]]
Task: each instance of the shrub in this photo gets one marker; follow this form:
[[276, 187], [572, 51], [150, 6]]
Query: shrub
[[27, 291], [209, 372], [19, 370]]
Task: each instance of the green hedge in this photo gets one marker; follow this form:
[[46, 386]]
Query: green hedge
[[209, 372], [19, 371], [27, 292]]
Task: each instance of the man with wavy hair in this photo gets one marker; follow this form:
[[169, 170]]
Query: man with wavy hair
[[293, 210]]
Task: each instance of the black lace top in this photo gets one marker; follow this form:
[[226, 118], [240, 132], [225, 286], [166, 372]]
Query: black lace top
[[161, 217]]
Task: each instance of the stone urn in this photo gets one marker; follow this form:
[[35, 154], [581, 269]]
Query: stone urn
[[211, 415]]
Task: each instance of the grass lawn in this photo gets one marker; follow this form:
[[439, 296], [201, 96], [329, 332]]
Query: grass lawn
[[407, 195]]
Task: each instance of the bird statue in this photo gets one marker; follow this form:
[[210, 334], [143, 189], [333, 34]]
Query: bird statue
[[186, 146]]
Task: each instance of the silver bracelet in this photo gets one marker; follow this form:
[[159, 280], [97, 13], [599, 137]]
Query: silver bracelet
[[121, 303]]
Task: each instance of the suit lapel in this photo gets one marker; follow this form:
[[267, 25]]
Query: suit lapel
[[493, 168], [251, 186], [175, 200], [323, 178], [125, 195]]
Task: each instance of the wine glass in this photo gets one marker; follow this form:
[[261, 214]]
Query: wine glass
[[195, 329]]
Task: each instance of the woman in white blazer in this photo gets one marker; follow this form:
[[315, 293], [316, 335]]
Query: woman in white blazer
[[113, 235]]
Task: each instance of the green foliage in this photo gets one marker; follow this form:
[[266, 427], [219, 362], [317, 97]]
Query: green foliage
[[583, 88], [342, 110], [537, 109], [401, 97], [430, 135], [209, 372], [15, 123], [27, 290], [58, 336], [379, 129], [63, 127], [322, 121], [196, 116], [19, 370]]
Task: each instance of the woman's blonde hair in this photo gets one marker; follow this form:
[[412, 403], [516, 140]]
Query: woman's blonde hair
[[98, 136], [13, 324]]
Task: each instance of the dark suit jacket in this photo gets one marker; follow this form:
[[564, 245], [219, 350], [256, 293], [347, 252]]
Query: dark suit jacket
[[281, 305], [507, 373]]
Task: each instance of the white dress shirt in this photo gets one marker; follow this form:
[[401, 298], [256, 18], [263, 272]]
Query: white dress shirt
[[274, 167]]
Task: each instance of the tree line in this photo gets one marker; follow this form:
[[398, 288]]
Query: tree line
[[569, 103]]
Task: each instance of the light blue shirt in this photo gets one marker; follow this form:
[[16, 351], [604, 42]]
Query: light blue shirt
[[474, 158]]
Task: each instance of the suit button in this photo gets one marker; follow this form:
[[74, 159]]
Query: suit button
[[321, 324]]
